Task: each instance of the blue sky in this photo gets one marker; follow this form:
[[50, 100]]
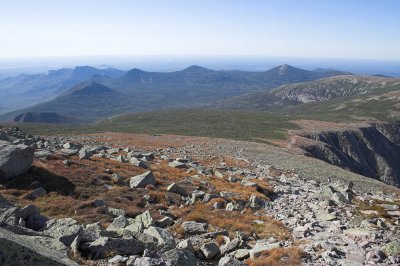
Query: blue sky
[[294, 28]]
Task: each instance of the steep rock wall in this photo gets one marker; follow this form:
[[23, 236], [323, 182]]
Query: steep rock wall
[[372, 151]]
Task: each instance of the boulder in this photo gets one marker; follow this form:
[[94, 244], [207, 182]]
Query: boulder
[[115, 212], [194, 228], [103, 246], [118, 224], [146, 261], [178, 257], [36, 221], [117, 260], [210, 250], [84, 154], [392, 249], [178, 165], [256, 203], [164, 222], [14, 159], [174, 188], [163, 236], [143, 180], [260, 248], [25, 249], [185, 244], [230, 246], [139, 163], [65, 230]]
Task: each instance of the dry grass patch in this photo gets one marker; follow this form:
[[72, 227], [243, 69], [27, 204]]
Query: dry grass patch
[[233, 221], [279, 256], [243, 192]]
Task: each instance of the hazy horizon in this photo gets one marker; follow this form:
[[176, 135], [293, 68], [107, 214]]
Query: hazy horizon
[[355, 29]]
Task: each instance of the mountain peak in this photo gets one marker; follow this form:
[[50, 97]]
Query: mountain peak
[[90, 88], [196, 68]]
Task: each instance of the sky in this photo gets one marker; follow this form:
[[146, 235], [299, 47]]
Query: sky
[[366, 29]]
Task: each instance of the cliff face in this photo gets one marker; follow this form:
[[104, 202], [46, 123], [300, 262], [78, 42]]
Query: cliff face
[[372, 151]]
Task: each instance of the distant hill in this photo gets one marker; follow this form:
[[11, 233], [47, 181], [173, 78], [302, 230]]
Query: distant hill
[[44, 117], [86, 101], [27, 90], [287, 96]]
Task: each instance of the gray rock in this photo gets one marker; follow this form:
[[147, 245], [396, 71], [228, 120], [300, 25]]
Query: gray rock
[[178, 257], [116, 212], [164, 222], [146, 261], [218, 174], [256, 203], [259, 248], [392, 248], [230, 207], [91, 232], [143, 180], [103, 246], [241, 254], [325, 216], [131, 260], [193, 228], [65, 230], [14, 159], [5, 203], [228, 261], [146, 219], [210, 250], [139, 163], [230, 246], [39, 192], [36, 222], [75, 245], [84, 154], [43, 154], [118, 224], [117, 260], [185, 244], [163, 236], [174, 188], [179, 165], [23, 249]]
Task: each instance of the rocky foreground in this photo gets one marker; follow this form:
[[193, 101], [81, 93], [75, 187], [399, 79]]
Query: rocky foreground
[[80, 201]]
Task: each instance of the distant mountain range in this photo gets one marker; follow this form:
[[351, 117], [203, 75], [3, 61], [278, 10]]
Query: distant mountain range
[[91, 94], [27, 90]]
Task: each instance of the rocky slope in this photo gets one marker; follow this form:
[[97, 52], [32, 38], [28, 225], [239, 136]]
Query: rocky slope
[[370, 150], [168, 200], [322, 90]]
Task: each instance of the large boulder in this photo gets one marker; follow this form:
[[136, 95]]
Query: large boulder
[[26, 248], [194, 228], [174, 188], [210, 250], [14, 159], [104, 246], [143, 180], [65, 230], [178, 257], [163, 236]]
